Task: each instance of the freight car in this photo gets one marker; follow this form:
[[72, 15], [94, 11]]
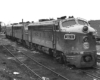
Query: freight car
[[68, 40]]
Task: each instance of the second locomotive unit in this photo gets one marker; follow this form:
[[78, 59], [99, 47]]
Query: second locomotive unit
[[69, 40]]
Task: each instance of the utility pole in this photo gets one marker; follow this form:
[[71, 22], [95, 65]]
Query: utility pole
[[22, 28], [0, 26]]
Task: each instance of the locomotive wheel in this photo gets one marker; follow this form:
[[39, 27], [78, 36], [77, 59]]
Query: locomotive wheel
[[61, 58], [32, 47], [50, 52], [54, 54]]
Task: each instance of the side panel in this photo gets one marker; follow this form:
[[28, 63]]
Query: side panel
[[18, 33], [43, 35], [43, 38], [67, 45]]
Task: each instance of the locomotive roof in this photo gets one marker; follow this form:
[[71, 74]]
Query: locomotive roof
[[52, 22], [43, 23], [75, 19], [18, 25]]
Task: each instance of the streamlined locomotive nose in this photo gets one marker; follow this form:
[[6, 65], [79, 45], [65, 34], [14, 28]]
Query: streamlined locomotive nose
[[88, 59]]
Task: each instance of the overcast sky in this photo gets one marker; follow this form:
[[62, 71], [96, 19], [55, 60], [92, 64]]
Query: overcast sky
[[32, 10]]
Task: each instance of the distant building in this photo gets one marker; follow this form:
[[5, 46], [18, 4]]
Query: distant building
[[95, 24]]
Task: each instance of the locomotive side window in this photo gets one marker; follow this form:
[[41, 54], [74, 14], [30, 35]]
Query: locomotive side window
[[69, 36], [68, 23], [82, 22]]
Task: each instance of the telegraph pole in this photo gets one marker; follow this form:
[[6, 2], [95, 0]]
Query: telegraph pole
[[0, 26], [22, 28]]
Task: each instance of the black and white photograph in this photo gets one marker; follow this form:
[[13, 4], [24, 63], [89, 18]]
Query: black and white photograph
[[49, 40]]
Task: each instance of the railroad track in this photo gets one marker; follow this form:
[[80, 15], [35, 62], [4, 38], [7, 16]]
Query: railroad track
[[94, 73], [54, 75]]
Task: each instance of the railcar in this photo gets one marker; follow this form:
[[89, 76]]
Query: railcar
[[69, 40], [17, 32], [8, 31]]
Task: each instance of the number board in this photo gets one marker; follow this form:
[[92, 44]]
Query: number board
[[69, 36]]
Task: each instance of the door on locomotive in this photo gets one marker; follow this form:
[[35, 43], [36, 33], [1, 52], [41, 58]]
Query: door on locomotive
[[77, 42]]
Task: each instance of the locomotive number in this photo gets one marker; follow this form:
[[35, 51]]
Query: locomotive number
[[69, 36]]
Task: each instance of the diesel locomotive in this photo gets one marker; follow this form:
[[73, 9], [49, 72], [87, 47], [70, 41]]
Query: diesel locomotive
[[68, 40]]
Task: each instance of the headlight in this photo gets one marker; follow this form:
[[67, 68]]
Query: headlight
[[87, 58], [86, 45], [85, 29]]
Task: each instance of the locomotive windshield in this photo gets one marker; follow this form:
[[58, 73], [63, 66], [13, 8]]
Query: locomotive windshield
[[68, 23], [81, 22]]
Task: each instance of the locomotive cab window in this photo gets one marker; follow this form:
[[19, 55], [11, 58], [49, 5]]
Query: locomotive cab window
[[68, 23], [81, 22]]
